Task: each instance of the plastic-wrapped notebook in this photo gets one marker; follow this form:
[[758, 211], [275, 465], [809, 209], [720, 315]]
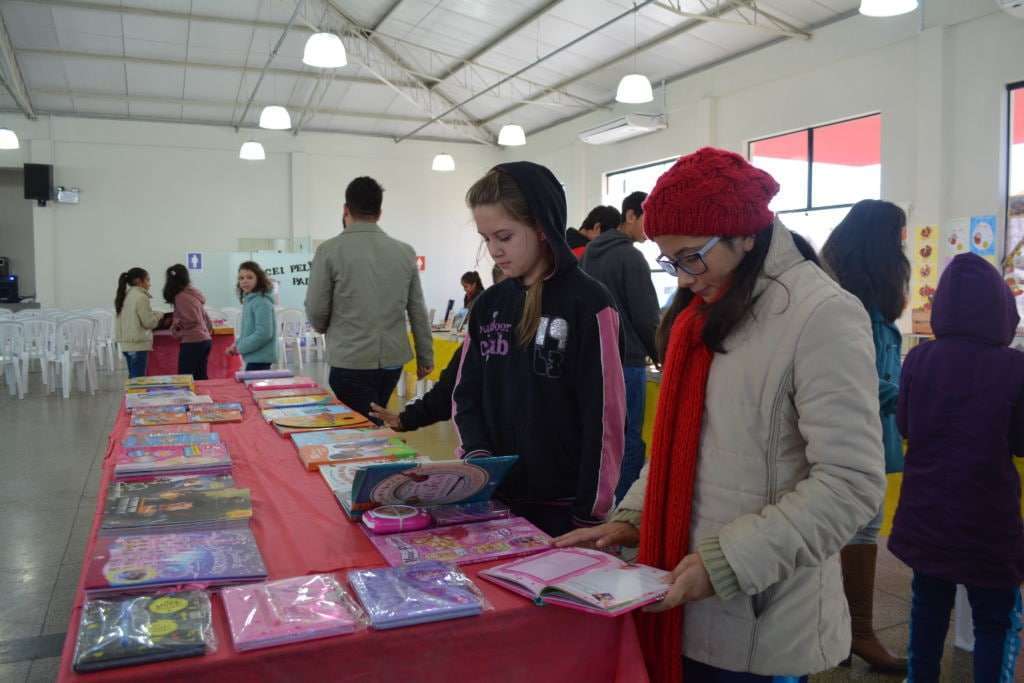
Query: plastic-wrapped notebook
[[297, 401], [274, 414], [154, 418], [215, 412], [414, 594], [170, 485], [137, 401], [244, 375], [175, 511], [165, 439], [343, 436], [582, 579], [259, 385], [313, 457], [195, 458], [160, 381], [296, 391], [467, 513], [289, 425], [463, 543], [116, 632], [168, 429], [140, 562], [288, 611]]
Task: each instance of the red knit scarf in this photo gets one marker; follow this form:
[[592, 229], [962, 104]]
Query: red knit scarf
[[665, 529]]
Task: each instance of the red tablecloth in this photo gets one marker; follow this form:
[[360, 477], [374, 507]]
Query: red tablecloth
[[163, 359], [301, 530]]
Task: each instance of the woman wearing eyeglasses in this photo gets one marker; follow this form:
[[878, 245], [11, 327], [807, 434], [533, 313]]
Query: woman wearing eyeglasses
[[764, 460]]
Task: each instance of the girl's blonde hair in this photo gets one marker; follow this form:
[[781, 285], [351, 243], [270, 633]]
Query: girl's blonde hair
[[497, 188]]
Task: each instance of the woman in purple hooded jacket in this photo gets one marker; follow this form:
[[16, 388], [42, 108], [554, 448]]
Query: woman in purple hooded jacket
[[961, 408]]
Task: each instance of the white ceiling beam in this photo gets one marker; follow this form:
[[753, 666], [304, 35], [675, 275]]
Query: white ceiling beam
[[778, 27], [387, 15], [11, 74], [270, 58]]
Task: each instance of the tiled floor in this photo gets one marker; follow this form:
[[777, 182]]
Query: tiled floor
[[50, 453]]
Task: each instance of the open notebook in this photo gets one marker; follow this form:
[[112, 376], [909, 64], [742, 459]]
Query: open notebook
[[582, 579]]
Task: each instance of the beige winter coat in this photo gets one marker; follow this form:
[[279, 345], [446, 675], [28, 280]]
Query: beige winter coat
[[136, 321], [790, 466]]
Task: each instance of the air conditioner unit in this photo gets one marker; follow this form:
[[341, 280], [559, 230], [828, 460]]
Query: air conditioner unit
[[629, 126], [1014, 7]]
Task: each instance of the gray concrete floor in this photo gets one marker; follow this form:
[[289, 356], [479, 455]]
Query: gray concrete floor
[[50, 455]]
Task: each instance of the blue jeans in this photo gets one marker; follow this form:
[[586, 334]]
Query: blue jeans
[[633, 455], [136, 361], [997, 625], [695, 672], [868, 534]]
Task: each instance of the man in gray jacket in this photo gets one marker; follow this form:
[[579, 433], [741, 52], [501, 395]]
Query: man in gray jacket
[[612, 259], [363, 285]]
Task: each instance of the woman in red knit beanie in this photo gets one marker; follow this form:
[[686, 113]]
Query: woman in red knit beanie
[[765, 455]]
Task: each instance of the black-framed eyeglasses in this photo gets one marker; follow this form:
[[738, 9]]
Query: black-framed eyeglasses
[[691, 264]]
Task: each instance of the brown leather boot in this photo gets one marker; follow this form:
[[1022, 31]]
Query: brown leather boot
[[859, 584]]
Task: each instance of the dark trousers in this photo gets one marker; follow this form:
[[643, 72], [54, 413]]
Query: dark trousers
[[554, 519], [250, 367], [997, 624], [695, 672], [633, 455], [136, 361], [358, 388], [192, 358]]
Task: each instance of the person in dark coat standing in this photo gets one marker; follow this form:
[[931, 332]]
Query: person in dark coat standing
[[961, 407]]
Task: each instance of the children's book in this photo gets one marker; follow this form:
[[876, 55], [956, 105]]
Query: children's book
[[414, 594], [155, 418], [463, 543], [286, 426], [466, 513], [215, 412], [259, 385], [313, 457], [165, 390], [194, 458], [274, 414], [136, 401], [140, 562], [124, 631], [162, 439], [170, 485], [343, 436], [429, 483], [160, 381], [297, 391], [175, 511], [340, 477], [297, 401], [243, 375], [582, 579], [168, 429], [288, 611]]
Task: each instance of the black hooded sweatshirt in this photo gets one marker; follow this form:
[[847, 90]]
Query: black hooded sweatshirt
[[559, 402]]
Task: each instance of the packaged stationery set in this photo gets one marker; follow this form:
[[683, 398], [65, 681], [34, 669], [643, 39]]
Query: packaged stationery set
[[415, 594]]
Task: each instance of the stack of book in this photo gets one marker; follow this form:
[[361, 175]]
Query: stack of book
[[156, 507], [349, 445], [187, 414]]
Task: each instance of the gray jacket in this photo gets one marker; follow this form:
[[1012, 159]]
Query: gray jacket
[[362, 286], [790, 467], [613, 260]]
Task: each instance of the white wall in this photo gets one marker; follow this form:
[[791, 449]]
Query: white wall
[[152, 192], [941, 93], [16, 240]]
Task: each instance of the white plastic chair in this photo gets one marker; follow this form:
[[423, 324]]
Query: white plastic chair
[[215, 315], [12, 355], [291, 330], [232, 316], [41, 345], [105, 335], [76, 346], [6, 314]]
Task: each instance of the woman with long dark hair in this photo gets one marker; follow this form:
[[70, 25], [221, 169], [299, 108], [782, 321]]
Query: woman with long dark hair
[[764, 459], [257, 330], [135, 319], [865, 256], [190, 325], [473, 286]]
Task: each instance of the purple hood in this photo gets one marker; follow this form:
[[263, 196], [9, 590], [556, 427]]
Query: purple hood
[[956, 312]]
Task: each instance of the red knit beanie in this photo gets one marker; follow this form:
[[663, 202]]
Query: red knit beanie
[[710, 192]]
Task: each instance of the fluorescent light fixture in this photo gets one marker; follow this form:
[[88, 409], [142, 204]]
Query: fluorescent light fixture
[[511, 135], [8, 139], [252, 151], [443, 162], [886, 8], [275, 117], [634, 89], [325, 51]]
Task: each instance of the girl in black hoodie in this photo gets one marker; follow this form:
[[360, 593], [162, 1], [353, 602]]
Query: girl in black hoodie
[[540, 374]]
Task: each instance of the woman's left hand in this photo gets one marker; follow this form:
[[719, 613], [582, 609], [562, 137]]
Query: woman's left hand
[[690, 583]]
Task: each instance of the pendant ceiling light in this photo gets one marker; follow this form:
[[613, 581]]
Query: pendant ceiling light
[[325, 51], [275, 117], [443, 162], [511, 135], [8, 139], [886, 8], [252, 151], [635, 88]]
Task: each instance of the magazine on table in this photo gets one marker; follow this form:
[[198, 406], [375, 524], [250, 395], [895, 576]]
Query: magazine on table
[[166, 511], [463, 543]]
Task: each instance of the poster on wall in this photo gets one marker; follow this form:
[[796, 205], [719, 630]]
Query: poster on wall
[[924, 276], [288, 272], [983, 237], [957, 237], [1013, 264]]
